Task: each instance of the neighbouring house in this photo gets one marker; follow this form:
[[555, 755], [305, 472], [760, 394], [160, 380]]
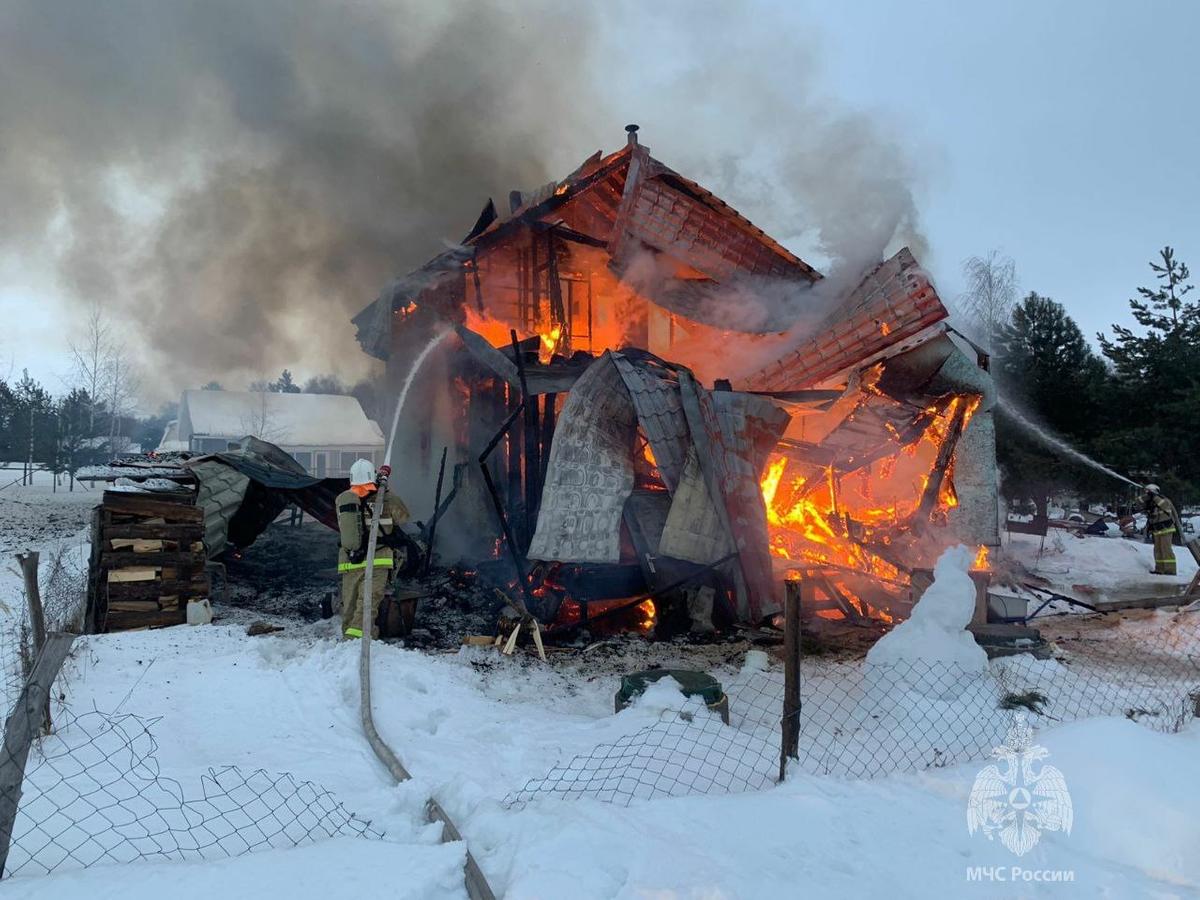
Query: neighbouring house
[[325, 433]]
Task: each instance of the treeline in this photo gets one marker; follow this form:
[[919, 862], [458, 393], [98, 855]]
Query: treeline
[[1132, 406], [62, 434]]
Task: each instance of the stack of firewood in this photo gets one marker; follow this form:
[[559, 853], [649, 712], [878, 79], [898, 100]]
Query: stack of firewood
[[147, 561]]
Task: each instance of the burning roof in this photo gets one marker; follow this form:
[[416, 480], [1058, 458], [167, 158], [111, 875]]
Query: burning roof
[[582, 308]]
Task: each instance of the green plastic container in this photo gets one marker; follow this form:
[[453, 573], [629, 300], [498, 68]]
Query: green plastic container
[[691, 682]]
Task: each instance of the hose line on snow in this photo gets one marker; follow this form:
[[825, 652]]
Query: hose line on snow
[[476, 883]]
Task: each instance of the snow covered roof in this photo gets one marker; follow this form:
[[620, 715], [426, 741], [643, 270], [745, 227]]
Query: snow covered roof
[[287, 419]]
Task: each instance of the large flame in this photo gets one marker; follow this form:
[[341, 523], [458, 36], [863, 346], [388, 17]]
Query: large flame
[[844, 523], [495, 332]]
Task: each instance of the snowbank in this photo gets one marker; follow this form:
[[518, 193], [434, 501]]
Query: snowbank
[[473, 727], [1096, 567]]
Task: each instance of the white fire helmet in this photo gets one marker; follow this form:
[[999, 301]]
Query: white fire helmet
[[1153, 489], [362, 472]]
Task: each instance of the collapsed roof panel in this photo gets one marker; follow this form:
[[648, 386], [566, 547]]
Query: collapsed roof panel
[[894, 302], [660, 414], [590, 472], [678, 217]]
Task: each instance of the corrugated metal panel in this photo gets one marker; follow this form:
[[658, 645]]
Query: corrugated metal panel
[[750, 426], [726, 448], [694, 531], [220, 494], [590, 474], [893, 303], [660, 414]]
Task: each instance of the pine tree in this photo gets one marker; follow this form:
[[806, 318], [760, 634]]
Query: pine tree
[[1044, 363], [285, 384], [1046, 371], [1156, 388]]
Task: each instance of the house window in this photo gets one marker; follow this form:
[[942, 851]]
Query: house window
[[303, 457], [348, 458]]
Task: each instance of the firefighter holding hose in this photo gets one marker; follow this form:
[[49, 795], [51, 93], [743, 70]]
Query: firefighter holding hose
[[1162, 524], [354, 525]]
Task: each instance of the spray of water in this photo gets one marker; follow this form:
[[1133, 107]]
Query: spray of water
[[1059, 444], [408, 383]]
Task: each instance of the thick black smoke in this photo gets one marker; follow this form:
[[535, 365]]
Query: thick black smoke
[[232, 180]]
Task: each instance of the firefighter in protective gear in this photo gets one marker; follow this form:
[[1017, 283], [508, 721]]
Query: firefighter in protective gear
[[354, 526], [1162, 523]]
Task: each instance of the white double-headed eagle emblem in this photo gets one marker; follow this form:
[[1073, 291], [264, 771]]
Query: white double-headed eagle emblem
[[1015, 802]]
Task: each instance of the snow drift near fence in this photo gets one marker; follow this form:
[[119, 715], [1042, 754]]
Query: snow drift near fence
[[93, 793]]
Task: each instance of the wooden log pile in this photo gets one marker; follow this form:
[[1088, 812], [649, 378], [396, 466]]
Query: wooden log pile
[[147, 561]]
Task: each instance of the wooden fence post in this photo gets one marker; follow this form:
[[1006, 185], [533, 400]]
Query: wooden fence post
[[790, 743], [19, 731], [37, 617]]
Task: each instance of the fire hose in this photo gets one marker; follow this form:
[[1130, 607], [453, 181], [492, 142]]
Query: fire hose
[[477, 885]]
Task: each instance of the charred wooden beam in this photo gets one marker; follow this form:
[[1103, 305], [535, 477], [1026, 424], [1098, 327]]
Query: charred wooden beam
[[517, 558], [532, 460], [437, 504], [514, 493], [941, 464]]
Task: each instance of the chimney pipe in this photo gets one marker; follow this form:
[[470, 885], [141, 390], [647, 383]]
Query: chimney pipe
[[515, 201], [632, 131]]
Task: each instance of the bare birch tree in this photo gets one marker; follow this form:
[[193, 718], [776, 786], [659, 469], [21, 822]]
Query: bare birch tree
[[991, 293], [121, 386], [91, 359]]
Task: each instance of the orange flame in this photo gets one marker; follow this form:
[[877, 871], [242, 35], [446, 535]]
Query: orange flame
[[493, 331], [981, 559], [818, 518], [549, 340]]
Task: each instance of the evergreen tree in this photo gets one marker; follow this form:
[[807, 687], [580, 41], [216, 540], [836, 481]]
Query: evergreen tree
[[8, 423], [285, 384], [73, 413], [1156, 387], [325, 384], [1046, 371], [213, 386]]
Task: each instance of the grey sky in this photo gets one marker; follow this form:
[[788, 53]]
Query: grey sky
[[1061, 133]]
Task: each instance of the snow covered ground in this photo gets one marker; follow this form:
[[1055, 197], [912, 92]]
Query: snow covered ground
[[475, 728], [1093, 567]]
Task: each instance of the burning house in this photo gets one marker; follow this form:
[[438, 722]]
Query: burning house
[[648, 395]]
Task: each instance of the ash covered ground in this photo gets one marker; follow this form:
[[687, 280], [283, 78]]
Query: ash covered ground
[[282, 578]]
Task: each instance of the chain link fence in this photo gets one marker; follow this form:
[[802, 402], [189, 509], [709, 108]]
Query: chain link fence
[[93, 793], [861, 720]]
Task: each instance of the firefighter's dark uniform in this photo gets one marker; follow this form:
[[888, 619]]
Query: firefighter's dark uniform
[[1161, 519], [354, 525]]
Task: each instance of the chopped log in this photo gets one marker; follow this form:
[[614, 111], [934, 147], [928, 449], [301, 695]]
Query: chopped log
[[158, 618], [134, 606], [140, 545], [158, 560], [138, 505], [166, 532], [152, 590], [133, 573]]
